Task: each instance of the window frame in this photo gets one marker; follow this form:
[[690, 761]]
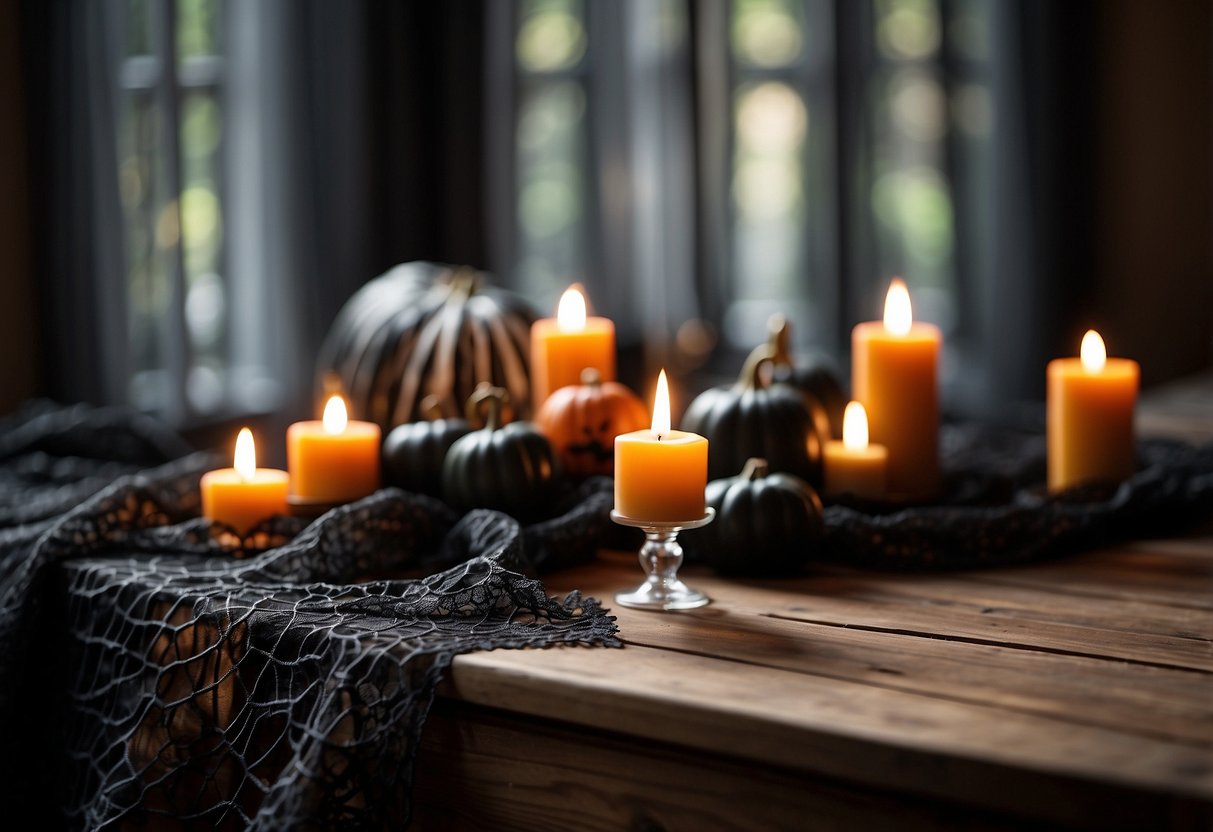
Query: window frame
[[164, 79]]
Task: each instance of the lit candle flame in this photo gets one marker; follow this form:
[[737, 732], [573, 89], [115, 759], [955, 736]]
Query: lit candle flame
[[898, 316], [661, 407], [335, 417], [855, 427], [1094, 354], [570, 315], [245, 460]]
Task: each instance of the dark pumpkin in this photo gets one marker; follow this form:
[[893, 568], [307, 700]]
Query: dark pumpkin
[[766, 524], [582, 421], [510, 468], [413, 453], [815, 377], [424, 329], [754, 418]]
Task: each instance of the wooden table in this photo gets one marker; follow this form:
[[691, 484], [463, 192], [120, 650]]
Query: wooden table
[[1078, 692], [1074, 693]]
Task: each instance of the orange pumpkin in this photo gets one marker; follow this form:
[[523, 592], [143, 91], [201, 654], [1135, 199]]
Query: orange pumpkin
[[582, 421]]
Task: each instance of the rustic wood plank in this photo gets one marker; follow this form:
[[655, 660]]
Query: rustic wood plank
[[1114, 615], [1125, 572], [1151, 701], [1200, 546], [1013, 616], [970, 753], [480, 770], [1121, 573]]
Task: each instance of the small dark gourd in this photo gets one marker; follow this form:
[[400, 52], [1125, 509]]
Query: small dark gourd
[[766, 524], [754, 418], [427, 329], [582, 421], [413, 453], [816, 378], [510, 468]]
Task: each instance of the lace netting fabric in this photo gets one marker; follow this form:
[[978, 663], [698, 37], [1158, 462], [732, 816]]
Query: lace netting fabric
[[994, 510], [153, 673]]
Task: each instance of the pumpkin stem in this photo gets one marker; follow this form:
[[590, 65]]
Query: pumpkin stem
[[755, 469], [751, 373], [590, 377], [431, 407], [496, 398], [780, 339], [465, 281]]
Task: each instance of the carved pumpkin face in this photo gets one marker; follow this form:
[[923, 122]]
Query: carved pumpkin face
[[582, 421]]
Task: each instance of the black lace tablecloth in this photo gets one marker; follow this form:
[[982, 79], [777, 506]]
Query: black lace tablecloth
[[152, 673], [994, 509]]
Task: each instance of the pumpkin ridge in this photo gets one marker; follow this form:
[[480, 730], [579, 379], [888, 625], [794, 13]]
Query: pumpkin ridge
[[398, 346], [367, 311], [512, 367], [418, 357], [478, 341], [360, 383], [442, 354]]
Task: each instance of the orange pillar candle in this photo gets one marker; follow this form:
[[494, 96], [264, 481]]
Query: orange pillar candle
[[895, 376], [854, 466], [661, 474], [1090, 416], [243, 495], [334, 459], [563, 346]]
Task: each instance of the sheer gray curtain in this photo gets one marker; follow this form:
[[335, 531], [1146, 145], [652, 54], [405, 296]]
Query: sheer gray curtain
[[75, 210], [352, 140], [356, 144]]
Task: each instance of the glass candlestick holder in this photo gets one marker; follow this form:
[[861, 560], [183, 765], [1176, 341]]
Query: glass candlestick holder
[[660, 557]]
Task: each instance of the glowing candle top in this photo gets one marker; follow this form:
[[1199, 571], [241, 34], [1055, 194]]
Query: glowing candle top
[[661, 407], [855, 427], [1093, 353], [898, 314], [570, 314], [335, 418]]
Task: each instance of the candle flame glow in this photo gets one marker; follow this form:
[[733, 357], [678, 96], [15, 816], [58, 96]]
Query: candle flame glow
[[661, 407], [335, 417], [1093, 353], [898, 315], [570, 315], [855, 427], [245, 460]]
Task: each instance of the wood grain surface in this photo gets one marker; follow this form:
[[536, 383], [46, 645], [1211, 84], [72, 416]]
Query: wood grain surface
[[1077, 692]]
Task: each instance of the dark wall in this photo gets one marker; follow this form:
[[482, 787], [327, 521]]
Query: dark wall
[[20, 358], [1153, 201]]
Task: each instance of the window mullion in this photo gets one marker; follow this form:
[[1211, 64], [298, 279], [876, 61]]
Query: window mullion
[[176, 342]]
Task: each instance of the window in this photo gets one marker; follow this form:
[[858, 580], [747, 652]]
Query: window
[[781, 194], [832, 143], [552, 148], [698, 165], [169, 143]]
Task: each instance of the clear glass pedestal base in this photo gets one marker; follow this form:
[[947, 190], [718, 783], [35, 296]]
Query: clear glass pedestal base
[[660, 557]]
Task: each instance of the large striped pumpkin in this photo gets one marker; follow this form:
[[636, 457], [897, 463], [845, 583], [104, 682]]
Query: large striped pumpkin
[[426, 329]]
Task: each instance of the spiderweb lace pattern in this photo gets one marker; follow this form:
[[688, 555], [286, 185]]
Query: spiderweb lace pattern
[[994, 510], [153, 671]]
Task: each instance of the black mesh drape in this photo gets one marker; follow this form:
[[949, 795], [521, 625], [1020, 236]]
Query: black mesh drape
[[152, 672]]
